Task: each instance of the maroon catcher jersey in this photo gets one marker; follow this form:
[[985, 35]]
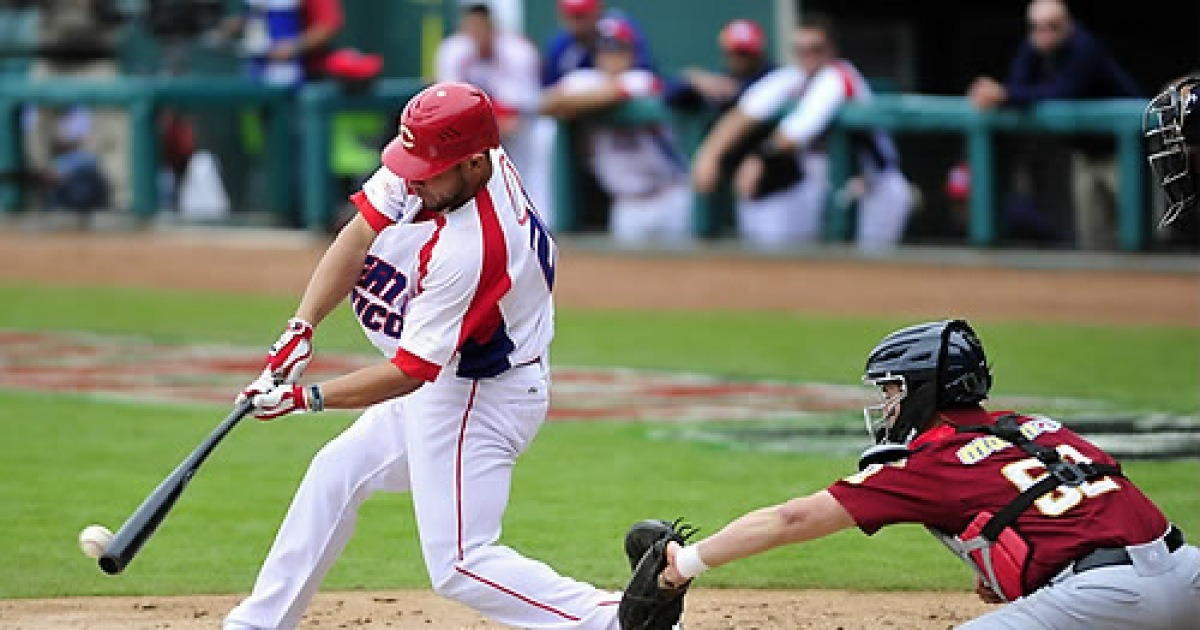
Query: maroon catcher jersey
[[951, 477]]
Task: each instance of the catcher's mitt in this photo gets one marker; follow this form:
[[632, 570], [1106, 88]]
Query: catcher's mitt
[[646, 605]]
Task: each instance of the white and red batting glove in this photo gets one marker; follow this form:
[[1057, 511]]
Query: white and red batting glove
[[284, 399], [291, 353]]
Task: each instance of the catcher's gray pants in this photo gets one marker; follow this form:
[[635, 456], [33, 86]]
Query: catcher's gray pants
[[1160, 590]]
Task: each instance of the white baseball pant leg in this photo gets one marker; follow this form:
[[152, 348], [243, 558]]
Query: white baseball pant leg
[[369, 456], [664, 217], [883, 211], [1159, 591], [453, 443], [791, 216]]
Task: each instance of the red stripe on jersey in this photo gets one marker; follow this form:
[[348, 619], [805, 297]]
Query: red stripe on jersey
[[376, 219], [847, 79], [427, 252], [524, 598], [415, 367], [483, 315]]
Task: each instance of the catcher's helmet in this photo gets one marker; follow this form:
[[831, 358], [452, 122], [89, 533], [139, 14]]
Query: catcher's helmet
[[1172, 127], [441, 126], [938, 365]]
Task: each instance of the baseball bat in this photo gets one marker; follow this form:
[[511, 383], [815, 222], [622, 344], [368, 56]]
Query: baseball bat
[[141, 524]]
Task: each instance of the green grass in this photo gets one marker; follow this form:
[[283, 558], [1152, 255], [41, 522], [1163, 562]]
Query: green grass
[[69, 460]]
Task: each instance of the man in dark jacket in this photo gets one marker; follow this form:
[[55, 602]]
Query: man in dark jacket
[[1061, 60]]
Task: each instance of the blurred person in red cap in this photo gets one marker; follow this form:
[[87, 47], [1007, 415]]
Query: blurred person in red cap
[[450, 272], [783, 185], [574, 45], [744, 47], [639, 167], [506, 66]]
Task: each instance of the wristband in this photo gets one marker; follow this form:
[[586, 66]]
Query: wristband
[[313, 398], [688, 562]]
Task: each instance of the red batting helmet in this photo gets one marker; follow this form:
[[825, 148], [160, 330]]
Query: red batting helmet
[[441, 126]]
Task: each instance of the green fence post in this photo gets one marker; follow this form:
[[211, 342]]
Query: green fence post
[[11, 158], [318, 192], [281, 156], [982, 221], [837, 223], [566, 217], [143, 155], [1131, 213]]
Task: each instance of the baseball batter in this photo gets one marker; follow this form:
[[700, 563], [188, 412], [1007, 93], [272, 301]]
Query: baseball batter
[[808, 95], [449, 270], [1047, 520], [640, 167]]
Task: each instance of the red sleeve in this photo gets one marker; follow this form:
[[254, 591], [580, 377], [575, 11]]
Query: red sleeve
[[913, 490], [327, 13], [376, 219], [415, 366]]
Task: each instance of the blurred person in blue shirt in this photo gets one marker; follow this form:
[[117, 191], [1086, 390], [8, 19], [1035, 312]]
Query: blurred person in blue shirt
[[1062, 60], [574, 45]]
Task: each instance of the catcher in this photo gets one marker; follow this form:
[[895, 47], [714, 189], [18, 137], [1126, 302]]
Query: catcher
[[1046, 519], [1172, 143]]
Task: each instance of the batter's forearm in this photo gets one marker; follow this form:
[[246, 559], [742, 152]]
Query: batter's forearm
[[367, 386], [337, 272]]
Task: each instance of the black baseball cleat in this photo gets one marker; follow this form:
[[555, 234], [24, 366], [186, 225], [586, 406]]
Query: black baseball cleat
[[638, 540]]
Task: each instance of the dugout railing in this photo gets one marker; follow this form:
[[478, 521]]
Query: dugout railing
[[314, 106]]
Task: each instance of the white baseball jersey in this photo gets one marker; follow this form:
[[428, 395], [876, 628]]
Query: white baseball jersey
[[629, 161], [810, 103], [467, 290]]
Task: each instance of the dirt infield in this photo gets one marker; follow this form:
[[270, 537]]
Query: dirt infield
[[706, 610], [270, 264], [587, 279]]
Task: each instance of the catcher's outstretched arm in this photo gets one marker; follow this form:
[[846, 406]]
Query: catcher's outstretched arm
[[798, 520]]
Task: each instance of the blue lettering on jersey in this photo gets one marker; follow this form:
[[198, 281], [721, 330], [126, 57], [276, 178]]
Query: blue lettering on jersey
[[385, 282]]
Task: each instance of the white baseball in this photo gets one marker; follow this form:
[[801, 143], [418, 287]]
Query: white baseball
[[94, 539]]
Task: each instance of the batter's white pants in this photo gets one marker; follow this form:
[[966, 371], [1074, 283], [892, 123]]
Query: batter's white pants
[[883, 210], [452, 443], [662, 218], [1159, 591], [791, 216]]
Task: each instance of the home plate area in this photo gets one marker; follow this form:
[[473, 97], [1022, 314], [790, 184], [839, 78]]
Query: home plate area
[[727, 412]]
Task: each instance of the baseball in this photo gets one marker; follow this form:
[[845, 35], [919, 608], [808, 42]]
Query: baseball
[[94, 539]]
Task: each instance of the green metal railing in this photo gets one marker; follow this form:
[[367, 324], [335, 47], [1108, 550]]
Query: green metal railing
[[142, 98], [912, 113], [316, 104]]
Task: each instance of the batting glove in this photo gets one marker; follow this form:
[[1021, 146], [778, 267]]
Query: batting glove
[[291, 353], [285, 399]]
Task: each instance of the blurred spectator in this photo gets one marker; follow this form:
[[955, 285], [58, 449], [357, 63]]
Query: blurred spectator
[[74, 179], [505, 65], [783, 185], [743, 44], [1062, 60], [78, 39], [640, 167], [285, 41], [574, 46]]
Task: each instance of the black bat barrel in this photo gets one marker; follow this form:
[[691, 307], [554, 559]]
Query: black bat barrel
[[141, 525]]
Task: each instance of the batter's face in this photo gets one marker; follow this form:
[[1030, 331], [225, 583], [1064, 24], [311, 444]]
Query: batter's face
[[453, 187]]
